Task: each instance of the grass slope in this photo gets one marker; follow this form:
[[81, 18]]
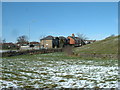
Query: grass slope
[[106, 46]]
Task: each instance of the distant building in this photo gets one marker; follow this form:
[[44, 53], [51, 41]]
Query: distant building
[[60, 42], [8, 45], [47, 42], [35, 43], [63, 41], [75, 41], [22, 43], [55, 42], [89, 41], [28, 46]]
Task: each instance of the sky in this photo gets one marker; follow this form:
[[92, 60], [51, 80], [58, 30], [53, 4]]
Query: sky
[[96, 20]]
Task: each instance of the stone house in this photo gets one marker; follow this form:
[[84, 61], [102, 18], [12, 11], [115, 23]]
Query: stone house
[[47, 42]]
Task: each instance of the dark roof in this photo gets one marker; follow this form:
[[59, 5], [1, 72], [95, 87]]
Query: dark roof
[[8, 44], [22, 43], [61, 37], [72, 37], [90, 40], [48, 38], [34, 42], [75, 38]]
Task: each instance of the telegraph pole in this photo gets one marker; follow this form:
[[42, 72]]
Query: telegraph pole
[[29, 31], [29, 34]]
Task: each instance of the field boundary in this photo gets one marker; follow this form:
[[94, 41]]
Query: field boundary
[[100, 56], [41, 51]]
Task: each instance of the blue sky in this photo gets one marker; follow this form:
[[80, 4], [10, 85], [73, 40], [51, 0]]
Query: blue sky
[[96, 20]]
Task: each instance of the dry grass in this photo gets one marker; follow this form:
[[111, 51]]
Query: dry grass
[[106, 46]]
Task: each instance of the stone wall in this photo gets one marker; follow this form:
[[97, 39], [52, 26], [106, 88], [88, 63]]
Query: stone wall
[[46, 43]]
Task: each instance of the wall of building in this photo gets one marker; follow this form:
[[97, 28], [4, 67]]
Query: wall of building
[[46, 43], [72, 41]]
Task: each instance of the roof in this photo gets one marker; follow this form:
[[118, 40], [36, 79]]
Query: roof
[[8, 44], [90, 40], [74, 37], [34, 42], [22, 43], [48, 38], [61, 37]]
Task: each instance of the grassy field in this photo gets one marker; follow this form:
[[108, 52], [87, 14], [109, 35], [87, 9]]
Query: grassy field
[[57, 70], [106, 46]]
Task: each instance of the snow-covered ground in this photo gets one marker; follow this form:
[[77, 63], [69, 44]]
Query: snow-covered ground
[[58, 71], [7, 50]]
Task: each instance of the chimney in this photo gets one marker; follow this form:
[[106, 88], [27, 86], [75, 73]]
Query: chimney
[[73, 35]]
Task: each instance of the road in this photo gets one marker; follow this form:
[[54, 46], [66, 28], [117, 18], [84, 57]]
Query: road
[[6, 50]]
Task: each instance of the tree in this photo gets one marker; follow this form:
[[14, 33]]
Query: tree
[[4, 41], [22, 39], [0, 40], [82, 36], [42, 36]]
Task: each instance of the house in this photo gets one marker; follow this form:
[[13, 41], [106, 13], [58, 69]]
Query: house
[[63, 41], [36, 44], [75, 41], [55, 42], [29, 45], [89, 41], [71, 39], [8, 45], [60, 42], [47, 42], [22, 43]]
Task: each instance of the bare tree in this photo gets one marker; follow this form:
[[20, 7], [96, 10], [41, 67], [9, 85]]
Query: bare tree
[[0, 40], [0, 43], [42, 36], [22, 39], [82, 36], [4, 40]]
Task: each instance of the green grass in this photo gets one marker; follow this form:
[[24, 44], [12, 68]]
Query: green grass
[[106, 46]]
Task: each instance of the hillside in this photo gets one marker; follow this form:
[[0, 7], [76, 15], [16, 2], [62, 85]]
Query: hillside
[[106, 46]]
